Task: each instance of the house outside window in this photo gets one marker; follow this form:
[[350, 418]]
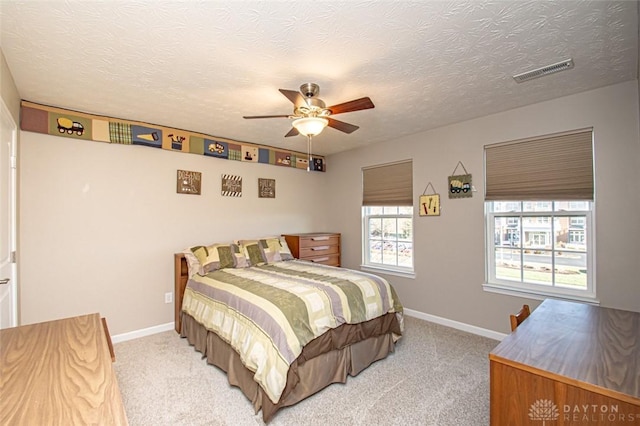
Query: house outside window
[[576, 237], [539, 220], [536, 238], [387, 218]]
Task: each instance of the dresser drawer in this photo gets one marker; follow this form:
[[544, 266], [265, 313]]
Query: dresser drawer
[[331, 259], [322, 250], [319, 240]]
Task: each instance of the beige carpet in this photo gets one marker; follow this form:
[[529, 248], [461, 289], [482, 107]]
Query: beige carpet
[[437, 376]]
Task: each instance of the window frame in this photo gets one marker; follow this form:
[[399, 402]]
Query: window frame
[[529, 289], [367, 264]]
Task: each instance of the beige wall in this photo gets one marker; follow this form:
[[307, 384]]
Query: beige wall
[[100, 223], [449, 250]]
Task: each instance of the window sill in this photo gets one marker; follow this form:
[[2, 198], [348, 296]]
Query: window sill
[[538, 294], [379, 270]]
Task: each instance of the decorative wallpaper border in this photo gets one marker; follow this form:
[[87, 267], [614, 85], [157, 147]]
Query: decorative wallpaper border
[[78, 125]]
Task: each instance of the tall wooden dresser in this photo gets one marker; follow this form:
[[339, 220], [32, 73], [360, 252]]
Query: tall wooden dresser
[[317, 247]]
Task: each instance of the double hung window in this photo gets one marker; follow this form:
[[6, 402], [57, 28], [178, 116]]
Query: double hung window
[[539, 220], [387, 217]]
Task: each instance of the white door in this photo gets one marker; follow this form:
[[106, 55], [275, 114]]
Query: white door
[[8, 197]]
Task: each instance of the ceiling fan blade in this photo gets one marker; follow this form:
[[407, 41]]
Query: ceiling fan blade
[[265, 116], [342, 126], [293, 96], [355, 105], [292, 132]]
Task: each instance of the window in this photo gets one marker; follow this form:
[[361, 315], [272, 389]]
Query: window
[[576, 237], [388, 238], [538, 209], [540, 253], [577, 222], [536, 239], [387, 217]]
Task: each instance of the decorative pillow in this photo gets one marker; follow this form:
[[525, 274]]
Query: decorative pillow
[[281, 246], [241, 259], [266, 250], [217, 256], [254, 251]]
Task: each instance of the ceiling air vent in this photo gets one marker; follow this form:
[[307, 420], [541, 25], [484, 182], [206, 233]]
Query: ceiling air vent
[[541, 72]]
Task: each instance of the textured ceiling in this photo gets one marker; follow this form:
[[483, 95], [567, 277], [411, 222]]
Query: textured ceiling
[[202, 65]]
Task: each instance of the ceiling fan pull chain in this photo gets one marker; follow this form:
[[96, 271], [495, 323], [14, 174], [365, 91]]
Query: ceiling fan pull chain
[[309, 153]]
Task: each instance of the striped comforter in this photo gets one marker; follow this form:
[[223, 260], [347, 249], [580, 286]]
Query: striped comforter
[[268, 313]]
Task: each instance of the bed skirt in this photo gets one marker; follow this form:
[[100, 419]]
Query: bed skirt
[[346, 350]]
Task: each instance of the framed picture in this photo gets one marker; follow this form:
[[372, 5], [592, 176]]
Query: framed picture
[[430, 205], [266, 188], [231, 186], [460, 186], [189, 182]]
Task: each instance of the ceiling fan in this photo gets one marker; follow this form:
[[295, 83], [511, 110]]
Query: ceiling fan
[[311, 115]]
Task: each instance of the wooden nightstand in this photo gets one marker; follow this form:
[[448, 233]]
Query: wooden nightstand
[[317, 247]]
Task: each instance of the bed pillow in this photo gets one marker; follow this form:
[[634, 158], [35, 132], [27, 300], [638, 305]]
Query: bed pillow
[[193, 264], [266, 250], [281, 246], [241, 259], [217, 256], [254, 251]]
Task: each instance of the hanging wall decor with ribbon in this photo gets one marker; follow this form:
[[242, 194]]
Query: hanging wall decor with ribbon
[[429, 203], [460, 185]]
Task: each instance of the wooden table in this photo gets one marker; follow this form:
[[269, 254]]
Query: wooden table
[[568, 363], [59, 373]]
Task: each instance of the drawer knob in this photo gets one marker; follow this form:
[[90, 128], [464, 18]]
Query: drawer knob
[[320, 248], [320, 259], [319, 238]]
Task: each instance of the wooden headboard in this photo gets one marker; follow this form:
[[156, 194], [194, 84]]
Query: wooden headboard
[[180, 283]]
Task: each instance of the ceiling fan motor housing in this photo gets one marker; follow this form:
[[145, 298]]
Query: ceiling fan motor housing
[[316, 102], [310, 90]]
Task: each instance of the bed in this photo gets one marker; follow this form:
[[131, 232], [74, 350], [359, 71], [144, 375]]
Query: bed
[[283, 329]]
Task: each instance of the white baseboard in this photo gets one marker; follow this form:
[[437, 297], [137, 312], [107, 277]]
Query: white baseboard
[[410, 312], [455, 324], [142, 333]]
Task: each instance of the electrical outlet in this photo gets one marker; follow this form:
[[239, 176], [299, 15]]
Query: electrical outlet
[[168, 297]]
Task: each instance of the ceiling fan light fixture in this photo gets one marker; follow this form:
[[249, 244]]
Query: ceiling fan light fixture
[[310, 126]]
